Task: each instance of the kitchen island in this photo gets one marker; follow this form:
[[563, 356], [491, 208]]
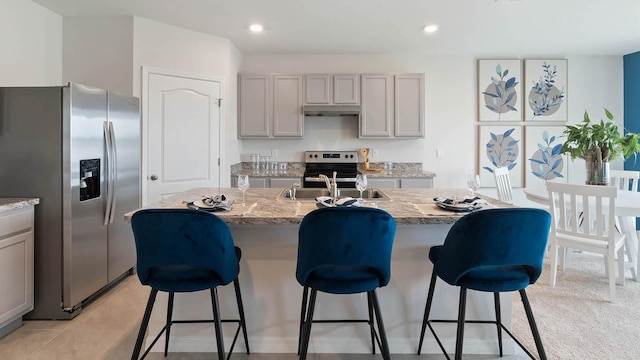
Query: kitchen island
[[266, 229]]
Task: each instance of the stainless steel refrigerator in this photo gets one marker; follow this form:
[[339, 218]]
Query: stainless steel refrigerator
[[77, 148]]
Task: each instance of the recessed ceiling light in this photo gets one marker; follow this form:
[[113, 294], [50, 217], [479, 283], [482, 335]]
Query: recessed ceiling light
[[256, 28], [430, 28]]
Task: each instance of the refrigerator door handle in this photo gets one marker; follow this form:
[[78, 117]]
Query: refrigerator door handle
[[114, 171], [107, 136]]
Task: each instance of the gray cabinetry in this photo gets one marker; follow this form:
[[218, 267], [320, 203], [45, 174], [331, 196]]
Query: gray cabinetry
[[16, 267], [327, 89], [346, 89], [416, 183], [254, 106], [287, 106], [284, 182], [377, 105], [399, 183], [257, 182], [409, 105], [382, 183], [270, 106], [392, 97]]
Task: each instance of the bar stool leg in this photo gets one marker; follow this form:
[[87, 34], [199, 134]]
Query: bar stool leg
[[307, 325], [144, 324], [303, 313], [496, 302], [427, 310], [532, 324], [217, 323], [386, 355], [461, 314], [243, 324], [169, 315], [371, 323]]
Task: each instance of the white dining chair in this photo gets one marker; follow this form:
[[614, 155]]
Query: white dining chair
[[626, 180], [597, 205], [503, 184]]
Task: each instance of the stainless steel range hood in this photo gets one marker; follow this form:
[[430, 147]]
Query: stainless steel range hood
[[331, 110]]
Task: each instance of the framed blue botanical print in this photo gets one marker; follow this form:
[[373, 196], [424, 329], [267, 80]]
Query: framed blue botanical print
[[500, 90], [545, 90], [500, 146], [543, 160]]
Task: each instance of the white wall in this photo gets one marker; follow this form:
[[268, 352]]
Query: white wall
[[98, 51], [451, 107], [163, 46], [31, 38]]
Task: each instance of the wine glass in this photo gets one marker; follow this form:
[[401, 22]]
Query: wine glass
[[361, 183], [243, 185], [473, 181]]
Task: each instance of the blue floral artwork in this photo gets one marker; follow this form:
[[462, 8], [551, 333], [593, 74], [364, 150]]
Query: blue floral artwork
[[500, 146], [547, 162], [500, 95], [547, 92], [499, 89], [502, 150], [543, 161]]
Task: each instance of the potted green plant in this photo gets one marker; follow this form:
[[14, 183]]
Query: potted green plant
[[598, 143]]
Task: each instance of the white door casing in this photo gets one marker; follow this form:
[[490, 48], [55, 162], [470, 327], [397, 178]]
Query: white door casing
[[182, 133]]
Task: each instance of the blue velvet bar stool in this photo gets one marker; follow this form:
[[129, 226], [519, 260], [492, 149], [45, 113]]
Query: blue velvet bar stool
[[344, 250], [493, 250], [184, 250]]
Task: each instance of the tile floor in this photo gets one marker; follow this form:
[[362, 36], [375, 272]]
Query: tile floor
[[107, 329]]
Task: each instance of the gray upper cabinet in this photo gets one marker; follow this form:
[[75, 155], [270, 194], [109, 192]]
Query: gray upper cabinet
[[254, 106], [288, 119], [330, 89], [270, 106], [377, 106], [392, 97], [409, 105], [317, 89]]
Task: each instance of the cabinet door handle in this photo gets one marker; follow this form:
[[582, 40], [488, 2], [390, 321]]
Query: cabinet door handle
[[154, 177]]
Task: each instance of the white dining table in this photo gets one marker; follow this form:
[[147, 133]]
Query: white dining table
[[627, 209]]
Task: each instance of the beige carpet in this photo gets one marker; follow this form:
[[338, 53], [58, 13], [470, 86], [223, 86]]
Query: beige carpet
[[575, 318]]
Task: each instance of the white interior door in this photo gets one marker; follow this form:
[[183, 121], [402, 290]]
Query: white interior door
[[184, 133]]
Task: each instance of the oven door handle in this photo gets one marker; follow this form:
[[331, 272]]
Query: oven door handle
[[319, 179]]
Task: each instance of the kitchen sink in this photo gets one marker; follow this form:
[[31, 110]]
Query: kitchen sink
[[310, 194]]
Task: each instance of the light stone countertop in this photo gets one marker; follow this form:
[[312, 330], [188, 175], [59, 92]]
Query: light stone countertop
[[8, 204], [407, 206], [400, 170]]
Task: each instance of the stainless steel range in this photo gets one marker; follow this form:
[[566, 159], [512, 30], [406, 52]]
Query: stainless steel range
[[345, 163]]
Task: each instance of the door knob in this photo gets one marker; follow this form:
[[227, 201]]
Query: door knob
[[154, 177]]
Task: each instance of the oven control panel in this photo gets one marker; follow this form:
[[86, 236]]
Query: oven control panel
[[331, 156]]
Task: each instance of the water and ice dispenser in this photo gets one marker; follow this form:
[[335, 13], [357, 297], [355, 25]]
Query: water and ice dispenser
[[89, 179]]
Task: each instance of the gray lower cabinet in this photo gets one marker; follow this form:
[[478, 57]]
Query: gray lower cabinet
[[284, 182], [16, 267], [372, 182], [414, 183], [400, 183], [382, 183], [268, 182]]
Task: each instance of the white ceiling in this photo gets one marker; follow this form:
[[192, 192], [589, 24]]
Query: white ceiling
[[482, 28]]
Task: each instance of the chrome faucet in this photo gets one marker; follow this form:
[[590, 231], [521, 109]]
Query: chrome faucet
[[293, 190], [334, 192]]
